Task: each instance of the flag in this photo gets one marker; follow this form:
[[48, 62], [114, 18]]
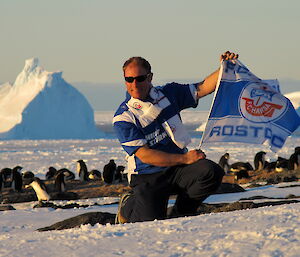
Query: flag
[[248, 109]]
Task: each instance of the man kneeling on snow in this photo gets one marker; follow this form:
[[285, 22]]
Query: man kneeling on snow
[[149, 128]]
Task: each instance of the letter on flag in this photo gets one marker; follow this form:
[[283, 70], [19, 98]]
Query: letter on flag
[[248, 109]]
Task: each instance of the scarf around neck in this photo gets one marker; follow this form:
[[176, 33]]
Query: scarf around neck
[[146, 112]]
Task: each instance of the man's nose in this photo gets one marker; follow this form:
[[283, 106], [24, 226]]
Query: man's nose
[[135, 83]]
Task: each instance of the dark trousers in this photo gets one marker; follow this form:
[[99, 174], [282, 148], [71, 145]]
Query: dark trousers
[[192, 183]]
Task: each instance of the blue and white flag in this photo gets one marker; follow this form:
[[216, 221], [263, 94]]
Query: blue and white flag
[[248, 109]]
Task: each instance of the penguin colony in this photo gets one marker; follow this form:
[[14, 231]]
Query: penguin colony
[[241, 169], [13, 179]]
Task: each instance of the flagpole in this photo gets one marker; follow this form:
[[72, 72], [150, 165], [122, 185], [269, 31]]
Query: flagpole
[[212, 103]]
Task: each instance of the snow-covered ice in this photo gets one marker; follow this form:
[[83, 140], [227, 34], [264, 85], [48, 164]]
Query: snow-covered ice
[[269, 231], [42, 105]]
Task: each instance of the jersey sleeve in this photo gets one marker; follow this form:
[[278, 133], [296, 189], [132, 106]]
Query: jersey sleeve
[[130, 137], [184, 95]]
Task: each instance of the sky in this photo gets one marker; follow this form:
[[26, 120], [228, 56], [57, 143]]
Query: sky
[[90, 40]]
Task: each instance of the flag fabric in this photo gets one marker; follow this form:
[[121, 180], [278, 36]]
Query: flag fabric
[[248, 109]]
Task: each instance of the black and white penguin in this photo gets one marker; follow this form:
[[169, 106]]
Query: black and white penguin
[[51, 173], [1, 182], [17, 180], [119, 173], [28, 175], [237, 166], [109, 172], [241, 174], [294, 160], [281, 164], [69, 175], [6, 174], [82, 170], [95, 174], [259, 160], [40, 189], [270, 166], [223, 162], [5, 177], [59, 182]]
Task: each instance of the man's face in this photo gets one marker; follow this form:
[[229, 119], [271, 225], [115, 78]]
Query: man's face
[[138, 90]]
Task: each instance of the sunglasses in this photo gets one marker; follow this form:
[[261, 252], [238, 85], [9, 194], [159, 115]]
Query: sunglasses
[[137, 79]]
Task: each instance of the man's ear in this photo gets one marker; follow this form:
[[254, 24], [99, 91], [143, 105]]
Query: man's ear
[[150, 76]]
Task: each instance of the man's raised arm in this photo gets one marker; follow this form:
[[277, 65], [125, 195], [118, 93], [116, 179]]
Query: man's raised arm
[[208, 85]]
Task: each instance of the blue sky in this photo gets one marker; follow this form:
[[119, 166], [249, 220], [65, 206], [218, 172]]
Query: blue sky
[[89, 40]]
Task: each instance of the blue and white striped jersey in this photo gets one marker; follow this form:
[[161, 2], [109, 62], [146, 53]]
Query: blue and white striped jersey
[[132, 135]]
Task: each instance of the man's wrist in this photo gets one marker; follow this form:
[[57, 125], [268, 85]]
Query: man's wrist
[[182, 158]]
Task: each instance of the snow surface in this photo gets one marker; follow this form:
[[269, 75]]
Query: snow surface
[[38, 155], [269, 231], [42, 105]]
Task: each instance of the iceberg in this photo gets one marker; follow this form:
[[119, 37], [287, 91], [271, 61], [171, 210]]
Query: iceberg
[[42, 105], [295, 99]]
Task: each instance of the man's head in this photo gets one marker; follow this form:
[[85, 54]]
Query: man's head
[[138, 77]]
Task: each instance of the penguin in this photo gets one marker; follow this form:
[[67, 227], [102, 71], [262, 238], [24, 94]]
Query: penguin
[[6, 174], [119, 173], [17, 180], [223, 162], [69, 175], [294, 160], [28, 175], [269, 166], [59, 183], [95, 174], [109, 172], [51, 173], [237, 166], [259, 160], [40, 189], [82, 170], [281, 164], [1, 182], [241, 174]]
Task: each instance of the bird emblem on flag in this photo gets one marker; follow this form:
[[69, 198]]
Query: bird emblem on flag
[[260, 103]]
